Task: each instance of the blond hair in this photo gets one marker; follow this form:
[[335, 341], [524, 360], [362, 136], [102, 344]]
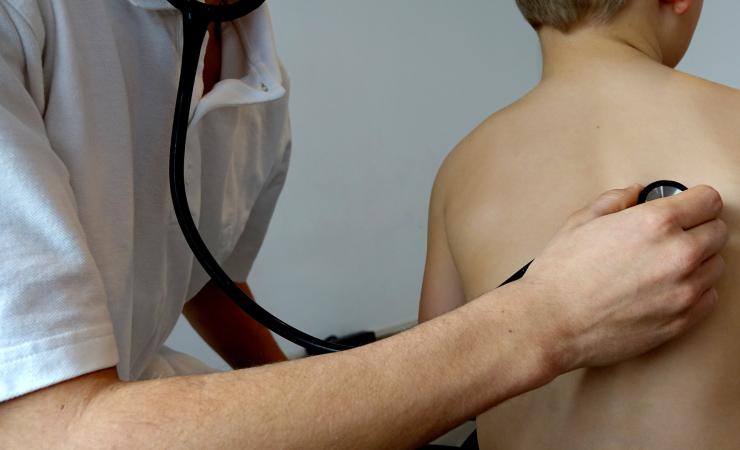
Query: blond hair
[[565, 14]]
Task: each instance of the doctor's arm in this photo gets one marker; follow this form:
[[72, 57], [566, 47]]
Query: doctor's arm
[[240, 340], [407, 389]]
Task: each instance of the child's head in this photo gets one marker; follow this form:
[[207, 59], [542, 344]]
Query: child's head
[[670, 23], [566, 14]]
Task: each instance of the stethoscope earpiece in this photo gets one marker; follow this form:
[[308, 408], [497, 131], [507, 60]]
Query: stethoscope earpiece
[[660, 189]]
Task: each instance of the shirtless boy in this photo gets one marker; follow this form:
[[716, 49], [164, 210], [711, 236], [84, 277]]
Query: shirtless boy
[[610, 111]]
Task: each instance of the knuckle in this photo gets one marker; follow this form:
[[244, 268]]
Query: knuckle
[[678, 326], [721, 265], [660, 219], [685, 296], [579, 218], [722, 229], [614, 194], [713, 296], [574, 217], [704, 305], [713, 198], [572, 221], [715, 268], [607, 203], [659, 274], [688, 254]]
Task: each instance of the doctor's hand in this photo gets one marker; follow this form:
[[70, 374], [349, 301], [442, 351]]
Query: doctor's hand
[[617, 281]]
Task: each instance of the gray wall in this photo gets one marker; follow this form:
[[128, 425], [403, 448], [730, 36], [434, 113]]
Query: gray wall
[[382, 91]]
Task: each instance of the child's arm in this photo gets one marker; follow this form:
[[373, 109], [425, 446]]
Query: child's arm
[[441, 289]]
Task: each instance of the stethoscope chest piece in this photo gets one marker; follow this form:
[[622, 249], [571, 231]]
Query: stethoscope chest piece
[[660, 189]]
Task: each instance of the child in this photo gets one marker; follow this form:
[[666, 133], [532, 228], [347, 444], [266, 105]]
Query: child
[[610, 111]]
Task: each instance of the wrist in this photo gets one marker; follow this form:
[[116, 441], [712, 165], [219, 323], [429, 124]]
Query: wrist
[[519, 340], [550, 331]]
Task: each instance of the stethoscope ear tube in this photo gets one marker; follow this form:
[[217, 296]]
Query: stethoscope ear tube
[[195, 27], [222, 12]]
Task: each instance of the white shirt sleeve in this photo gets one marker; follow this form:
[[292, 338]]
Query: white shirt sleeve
[[239, 263], [54, 320]]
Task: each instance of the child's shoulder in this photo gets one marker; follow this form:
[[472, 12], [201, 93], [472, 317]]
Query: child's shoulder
[[707, 89], [492, 150], [499, 136], [716, 106]]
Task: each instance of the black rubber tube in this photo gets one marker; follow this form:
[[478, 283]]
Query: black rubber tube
[[194, 30]]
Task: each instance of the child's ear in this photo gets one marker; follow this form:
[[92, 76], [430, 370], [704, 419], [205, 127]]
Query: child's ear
[[679, 6]]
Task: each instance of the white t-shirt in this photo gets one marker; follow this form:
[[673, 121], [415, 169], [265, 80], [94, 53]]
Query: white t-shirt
[[94, 270]]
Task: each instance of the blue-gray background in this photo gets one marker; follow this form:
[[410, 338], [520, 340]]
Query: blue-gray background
[[382, 90]]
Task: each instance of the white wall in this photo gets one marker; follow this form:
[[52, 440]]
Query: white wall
[[382, 90]]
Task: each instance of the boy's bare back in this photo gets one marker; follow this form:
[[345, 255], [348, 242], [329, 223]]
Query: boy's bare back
[[506, 189]]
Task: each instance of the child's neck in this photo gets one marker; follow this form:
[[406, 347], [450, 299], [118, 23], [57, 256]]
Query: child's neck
[[590, 51]]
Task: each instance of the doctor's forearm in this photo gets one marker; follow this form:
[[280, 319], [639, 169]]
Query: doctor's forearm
[[397, 393], [240, 340], [655, 277]]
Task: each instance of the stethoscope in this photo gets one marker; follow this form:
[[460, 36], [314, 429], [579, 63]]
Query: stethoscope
[[196, 18]]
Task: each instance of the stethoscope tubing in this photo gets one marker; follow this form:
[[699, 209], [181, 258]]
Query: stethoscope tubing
[[206, 12], [195, 26]]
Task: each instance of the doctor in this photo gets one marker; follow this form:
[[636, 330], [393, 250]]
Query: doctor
[[95, 271]]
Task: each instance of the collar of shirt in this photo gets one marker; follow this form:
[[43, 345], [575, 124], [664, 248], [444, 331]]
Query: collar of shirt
[[259, 80]]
